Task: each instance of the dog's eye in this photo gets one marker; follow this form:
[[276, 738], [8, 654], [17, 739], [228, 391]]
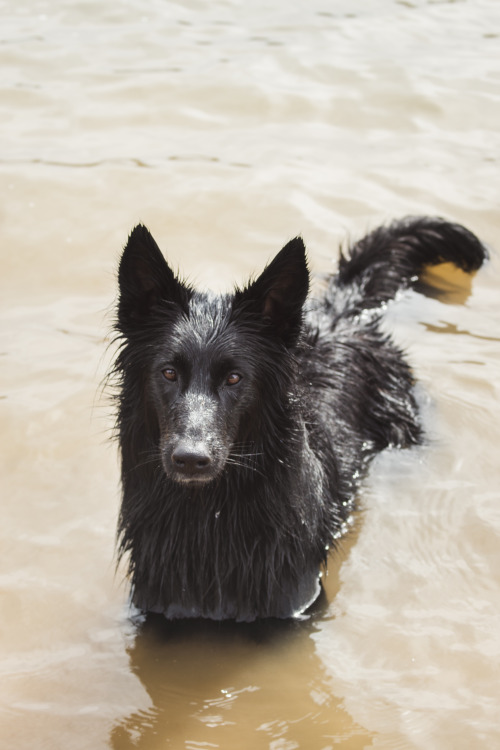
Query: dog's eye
[[170, 374], [233, 378]]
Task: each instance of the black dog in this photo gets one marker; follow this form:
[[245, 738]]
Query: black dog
[[246, 420]]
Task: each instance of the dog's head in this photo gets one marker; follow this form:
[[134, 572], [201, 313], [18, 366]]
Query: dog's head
[[208, 364]]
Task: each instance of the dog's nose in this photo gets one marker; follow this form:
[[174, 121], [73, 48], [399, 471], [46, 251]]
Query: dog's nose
[[191, 460]]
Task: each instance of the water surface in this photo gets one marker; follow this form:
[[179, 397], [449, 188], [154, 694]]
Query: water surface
[[229, 128]]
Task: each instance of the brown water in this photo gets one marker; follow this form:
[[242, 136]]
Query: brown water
[[228, 128]]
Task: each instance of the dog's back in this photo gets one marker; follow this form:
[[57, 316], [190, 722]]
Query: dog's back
[[246, 421]]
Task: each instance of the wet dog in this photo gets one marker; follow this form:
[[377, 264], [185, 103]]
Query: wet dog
[[246, 420]]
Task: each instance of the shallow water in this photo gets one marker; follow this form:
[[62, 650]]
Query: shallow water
[[229, 128]]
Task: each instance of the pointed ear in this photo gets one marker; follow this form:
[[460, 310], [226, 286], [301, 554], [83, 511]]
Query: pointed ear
[[145, 279], [278, 295]]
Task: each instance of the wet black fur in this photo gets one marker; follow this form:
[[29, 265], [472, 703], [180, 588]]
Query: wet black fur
[[239, 525]]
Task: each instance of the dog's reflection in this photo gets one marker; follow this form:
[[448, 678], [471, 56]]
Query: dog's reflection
[[231, 685]]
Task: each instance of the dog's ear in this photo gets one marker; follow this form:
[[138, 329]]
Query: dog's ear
[[145, 279], [279, 293]]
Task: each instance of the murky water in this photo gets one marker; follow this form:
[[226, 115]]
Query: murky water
[[228, 128]]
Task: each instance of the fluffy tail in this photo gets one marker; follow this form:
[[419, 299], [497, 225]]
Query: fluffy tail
[[393, 257]]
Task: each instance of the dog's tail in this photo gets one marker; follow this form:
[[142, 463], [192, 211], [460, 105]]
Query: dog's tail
[[393, 257]]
